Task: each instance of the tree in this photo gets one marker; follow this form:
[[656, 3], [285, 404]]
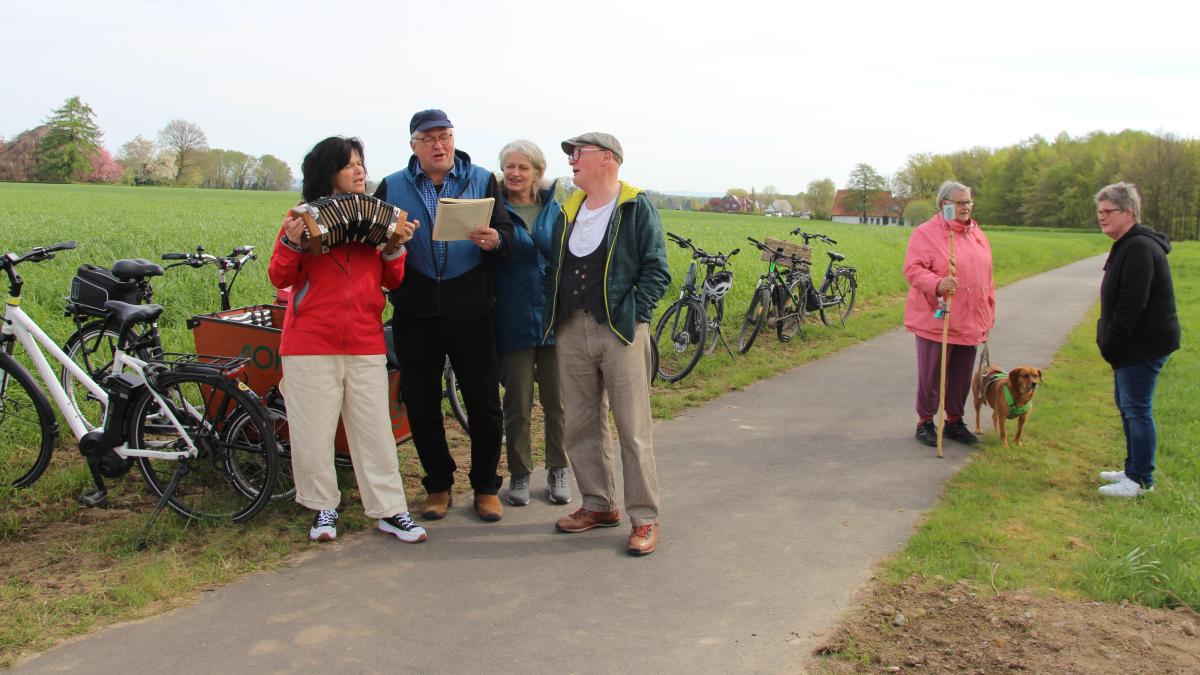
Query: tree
[[145, 164], [820, 196], [187, 141], [104, 168], [65, 152], [922, 175], [864, 181], [272, 174], [737, 192], [1167, 174], [18, 157]]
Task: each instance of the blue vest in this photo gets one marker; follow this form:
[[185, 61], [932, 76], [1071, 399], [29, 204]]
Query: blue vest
[[463, 256]]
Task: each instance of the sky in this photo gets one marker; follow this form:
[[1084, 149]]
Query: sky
[[704, 96]]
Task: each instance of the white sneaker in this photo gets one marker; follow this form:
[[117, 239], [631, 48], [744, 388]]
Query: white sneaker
[[1112, 476], [403, 527], [324, 526], [1125, 488]]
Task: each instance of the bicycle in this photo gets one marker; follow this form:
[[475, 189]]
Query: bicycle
[[94, 341], [839, 287], [187, 412], [778, 296], [691, 326]]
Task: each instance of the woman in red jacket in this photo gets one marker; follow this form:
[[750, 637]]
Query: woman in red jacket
[[334, 356]]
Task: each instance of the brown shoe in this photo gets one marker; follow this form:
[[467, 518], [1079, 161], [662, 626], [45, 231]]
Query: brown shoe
[[583, 520], [488, 507], [643, 539], [435, 505]]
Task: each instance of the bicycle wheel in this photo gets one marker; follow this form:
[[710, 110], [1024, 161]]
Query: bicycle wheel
[[453, 395], [234, 474], [680, 336], [242, 429], [756, 317], [27, 426], [791, 313], [715, 313], [92, 347], [846, 284]]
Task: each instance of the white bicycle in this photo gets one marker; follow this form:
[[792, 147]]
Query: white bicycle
[[199, 435]]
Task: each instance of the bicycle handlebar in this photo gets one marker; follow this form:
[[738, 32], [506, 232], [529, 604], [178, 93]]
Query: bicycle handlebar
[[777, 252], [40, 253], [235, 260], [702, 255], [817, 235]]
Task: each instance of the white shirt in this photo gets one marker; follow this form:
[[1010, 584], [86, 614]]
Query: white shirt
[[590, 227]]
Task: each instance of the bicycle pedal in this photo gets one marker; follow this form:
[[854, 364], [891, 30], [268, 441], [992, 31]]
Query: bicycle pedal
[[93, 498]]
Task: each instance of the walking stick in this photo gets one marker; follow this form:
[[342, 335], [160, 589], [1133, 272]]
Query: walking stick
[[941, 416]]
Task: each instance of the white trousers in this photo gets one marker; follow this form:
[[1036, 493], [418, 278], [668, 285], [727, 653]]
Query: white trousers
[[319, 389]]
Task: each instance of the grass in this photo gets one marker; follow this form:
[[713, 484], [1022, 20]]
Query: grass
[[1031, 516], [68, 570]]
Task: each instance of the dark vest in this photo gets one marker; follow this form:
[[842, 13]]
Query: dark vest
[[583, 283]]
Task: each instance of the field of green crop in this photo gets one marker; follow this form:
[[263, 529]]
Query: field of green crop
[[68, 570]]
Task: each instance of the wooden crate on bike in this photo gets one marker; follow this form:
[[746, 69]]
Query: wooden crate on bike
[[788, 248]]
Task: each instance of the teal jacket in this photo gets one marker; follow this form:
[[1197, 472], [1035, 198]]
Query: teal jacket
[[635, 271], [521, 279]]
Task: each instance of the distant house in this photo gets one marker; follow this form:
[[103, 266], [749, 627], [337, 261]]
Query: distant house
[[779, 208], [735, 204], [882, 208]]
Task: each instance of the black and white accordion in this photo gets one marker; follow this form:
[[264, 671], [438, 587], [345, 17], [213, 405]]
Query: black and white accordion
[[348, 217]]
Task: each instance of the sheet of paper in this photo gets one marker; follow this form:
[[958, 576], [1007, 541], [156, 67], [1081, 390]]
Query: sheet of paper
[[457, 217]]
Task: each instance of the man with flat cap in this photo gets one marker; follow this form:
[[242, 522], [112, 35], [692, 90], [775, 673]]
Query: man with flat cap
[[607, 272], [444, 308]]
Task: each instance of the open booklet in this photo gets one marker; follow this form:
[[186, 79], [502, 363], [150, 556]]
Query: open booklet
[[457, 217]]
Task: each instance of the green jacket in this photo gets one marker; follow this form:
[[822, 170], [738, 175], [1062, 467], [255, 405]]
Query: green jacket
[[635, 272]]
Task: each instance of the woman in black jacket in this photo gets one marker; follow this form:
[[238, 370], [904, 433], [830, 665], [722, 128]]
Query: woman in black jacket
[[1138, 329]]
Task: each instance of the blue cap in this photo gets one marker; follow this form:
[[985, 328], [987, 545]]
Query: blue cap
[[428, 119]]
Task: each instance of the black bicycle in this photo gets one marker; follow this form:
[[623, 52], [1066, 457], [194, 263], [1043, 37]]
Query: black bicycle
[[779, 296], [691, 326], [839, 287]]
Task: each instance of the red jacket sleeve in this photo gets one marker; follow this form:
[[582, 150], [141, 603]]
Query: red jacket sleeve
[[284, 269]]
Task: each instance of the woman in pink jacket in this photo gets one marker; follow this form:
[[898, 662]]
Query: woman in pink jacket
[[973, 309], [333, 352]]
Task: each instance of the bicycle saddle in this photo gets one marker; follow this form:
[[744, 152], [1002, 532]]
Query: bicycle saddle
[[125, 314], [137, 268], [836, 256]]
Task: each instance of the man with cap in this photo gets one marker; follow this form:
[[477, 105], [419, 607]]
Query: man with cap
[[607, 272], [444, 308]]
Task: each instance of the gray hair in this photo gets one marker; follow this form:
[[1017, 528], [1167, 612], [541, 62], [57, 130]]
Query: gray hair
[[536, 159], [1125, 196], [948, 188]]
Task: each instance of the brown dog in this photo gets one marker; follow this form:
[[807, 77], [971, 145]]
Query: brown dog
[[1008, 395]]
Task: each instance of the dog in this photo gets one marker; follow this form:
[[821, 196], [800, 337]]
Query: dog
[[1008, 394]]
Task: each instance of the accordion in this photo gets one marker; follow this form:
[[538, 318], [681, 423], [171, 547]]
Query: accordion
[[348, 217]]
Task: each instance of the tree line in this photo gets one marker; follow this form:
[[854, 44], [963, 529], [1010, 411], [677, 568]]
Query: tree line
[[68, 147], [1044, 183]]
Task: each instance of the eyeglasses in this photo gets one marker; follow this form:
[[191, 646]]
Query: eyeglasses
[[961, 205], [428, 141], [578, 151], [1107, 212]]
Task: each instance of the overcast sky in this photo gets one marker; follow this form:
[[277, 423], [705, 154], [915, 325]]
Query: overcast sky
[[704, 96]]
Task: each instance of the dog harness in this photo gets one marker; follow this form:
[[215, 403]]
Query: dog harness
[[1014, 411]]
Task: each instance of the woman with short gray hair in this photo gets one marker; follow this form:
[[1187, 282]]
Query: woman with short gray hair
[[518, 323], [1138, 329], [932, 279]]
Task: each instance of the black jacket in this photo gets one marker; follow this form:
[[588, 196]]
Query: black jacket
[[1137, 322]]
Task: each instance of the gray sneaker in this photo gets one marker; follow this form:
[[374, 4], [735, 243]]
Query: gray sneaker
[[560, 489], [518, 490]]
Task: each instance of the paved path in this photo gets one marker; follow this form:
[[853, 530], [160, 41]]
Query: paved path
[[778, 500]]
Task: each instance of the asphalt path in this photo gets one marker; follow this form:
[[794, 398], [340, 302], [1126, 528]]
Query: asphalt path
[[778, 500]]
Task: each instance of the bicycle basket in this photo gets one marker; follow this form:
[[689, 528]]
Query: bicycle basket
[[718, 284], [92, 286]]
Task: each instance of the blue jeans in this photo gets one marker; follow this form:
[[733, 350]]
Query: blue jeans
[[1133, 388]]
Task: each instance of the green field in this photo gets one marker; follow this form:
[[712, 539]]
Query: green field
[[68, 570]]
